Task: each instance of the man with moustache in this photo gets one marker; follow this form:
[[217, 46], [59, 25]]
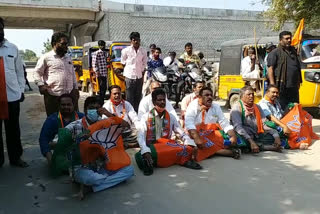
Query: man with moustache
[[284, 70], [54, 74]]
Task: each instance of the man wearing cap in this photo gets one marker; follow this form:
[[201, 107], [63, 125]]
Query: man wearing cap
[[12, 84]]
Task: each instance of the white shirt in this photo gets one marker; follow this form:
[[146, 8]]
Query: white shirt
[[187, 100], [146, 105], [135, 62], [173, 65], [13, 70], [245, 65], [174, 127], [214, 115], [130, 114]]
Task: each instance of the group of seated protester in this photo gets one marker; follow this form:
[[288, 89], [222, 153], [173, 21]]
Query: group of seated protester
[[91, 146]]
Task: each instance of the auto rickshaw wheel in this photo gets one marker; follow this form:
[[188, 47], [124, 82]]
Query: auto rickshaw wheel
[[234, 99]]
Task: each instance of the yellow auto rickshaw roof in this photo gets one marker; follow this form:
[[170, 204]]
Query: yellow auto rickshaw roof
[[75, 47], [108, 44]]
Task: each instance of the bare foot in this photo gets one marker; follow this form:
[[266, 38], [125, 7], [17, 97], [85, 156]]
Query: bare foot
[[304, 146]]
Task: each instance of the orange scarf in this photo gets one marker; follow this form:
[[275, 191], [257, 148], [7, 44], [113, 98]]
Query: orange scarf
[[269, 100], [151, 127], [4, 113], [116, 104], [202, 106], [256, 113]]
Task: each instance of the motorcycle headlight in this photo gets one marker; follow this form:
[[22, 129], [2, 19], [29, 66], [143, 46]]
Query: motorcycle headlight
[[312, 76]]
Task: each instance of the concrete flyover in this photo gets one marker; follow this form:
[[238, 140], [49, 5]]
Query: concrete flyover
[[60, 15]]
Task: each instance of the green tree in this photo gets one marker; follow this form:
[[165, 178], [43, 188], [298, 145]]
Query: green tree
[[47, 46], [293, 10], [28, 55]]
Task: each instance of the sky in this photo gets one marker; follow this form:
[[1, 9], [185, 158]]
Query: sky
[[34, 39]]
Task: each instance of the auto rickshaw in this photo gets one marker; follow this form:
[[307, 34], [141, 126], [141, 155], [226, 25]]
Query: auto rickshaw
[[76, 53], [232, 52], [115, 68]]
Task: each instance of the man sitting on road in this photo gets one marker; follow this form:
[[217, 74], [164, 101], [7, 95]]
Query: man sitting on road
[[146, 103], [98, 156], [272, 109], [154, 138], [189, 98], [57, 120], [205, 121], [116, 106], [249, 119]]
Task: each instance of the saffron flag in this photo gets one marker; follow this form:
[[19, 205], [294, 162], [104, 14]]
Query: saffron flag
[[105, 142], [296, 39], [4, 113], [300, 124]]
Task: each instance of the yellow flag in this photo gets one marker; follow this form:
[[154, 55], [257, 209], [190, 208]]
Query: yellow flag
[[296, 39]]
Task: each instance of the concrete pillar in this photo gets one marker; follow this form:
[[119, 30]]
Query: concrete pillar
[[82, 33]]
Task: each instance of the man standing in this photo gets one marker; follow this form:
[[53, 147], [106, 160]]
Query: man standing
[[134, 58], [284, 70], [99, 64], [54, 74], [12, 85]]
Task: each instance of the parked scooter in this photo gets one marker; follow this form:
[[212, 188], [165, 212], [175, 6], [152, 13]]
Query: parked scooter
[[160, 75], [189, 76]]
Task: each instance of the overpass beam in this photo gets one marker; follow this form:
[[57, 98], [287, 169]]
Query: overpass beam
[[83, 33]]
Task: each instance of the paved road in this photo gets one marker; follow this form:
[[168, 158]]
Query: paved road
[[286, 183]]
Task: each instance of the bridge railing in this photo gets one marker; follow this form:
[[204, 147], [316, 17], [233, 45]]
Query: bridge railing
[[67, 4]]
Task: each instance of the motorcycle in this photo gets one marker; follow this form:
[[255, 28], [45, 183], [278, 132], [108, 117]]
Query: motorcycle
[[209, 78], [189, 76], [173, 79], [160, 75]]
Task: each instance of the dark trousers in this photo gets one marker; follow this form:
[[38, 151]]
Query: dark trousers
[[52, 103], [12, 130], [288, 95], [103, 88], [179, 90], [134, 91]]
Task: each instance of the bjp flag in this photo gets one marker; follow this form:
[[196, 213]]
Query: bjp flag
[[300, 124], [296, 39]]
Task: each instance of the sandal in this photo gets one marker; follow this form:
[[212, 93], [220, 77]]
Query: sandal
[[191, 164], [236, 153]]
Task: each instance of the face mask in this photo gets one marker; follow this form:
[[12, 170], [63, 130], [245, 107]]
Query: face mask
[[92, 115], [159, 109]]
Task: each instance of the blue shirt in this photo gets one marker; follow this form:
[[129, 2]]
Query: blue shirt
[[152, 64], [270, 109], [49, 131]]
